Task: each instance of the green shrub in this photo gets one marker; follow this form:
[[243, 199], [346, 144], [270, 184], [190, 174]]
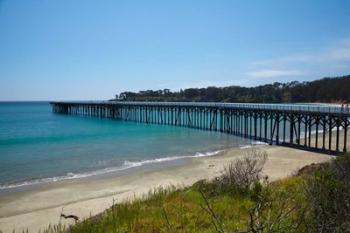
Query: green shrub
[[328, 193]]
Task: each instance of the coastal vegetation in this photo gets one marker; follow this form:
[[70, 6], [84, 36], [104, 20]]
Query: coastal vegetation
[[327, 90], [242, 199]]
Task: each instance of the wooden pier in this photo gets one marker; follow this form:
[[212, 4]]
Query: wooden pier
[[309, 127]]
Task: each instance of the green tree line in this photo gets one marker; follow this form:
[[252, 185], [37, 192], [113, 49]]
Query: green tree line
[[330, 90]]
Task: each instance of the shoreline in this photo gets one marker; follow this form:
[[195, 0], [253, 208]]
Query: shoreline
[[36, 209], [127, 168]]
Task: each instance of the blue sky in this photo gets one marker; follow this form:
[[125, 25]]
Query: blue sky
[[82, 50]]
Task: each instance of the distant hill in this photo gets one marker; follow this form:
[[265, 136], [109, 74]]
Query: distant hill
[[330, 90]]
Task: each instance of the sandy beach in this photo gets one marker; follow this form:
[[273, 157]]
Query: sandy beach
[[37, 208]]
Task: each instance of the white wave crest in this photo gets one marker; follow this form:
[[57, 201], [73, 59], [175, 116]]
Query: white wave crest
[[252, 144], [245, 147], [259, 143]]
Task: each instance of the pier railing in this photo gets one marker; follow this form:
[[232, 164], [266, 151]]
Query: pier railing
[[321, 128], [322, 108]]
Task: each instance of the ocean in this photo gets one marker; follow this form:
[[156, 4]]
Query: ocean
[[38, 146]]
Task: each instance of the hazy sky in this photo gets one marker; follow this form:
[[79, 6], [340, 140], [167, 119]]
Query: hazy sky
[[81, 50]]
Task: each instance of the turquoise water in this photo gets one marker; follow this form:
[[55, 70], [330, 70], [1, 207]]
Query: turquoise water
[[37, 146]]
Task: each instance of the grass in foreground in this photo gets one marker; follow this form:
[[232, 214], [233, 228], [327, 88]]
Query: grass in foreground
[[200, 208]]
